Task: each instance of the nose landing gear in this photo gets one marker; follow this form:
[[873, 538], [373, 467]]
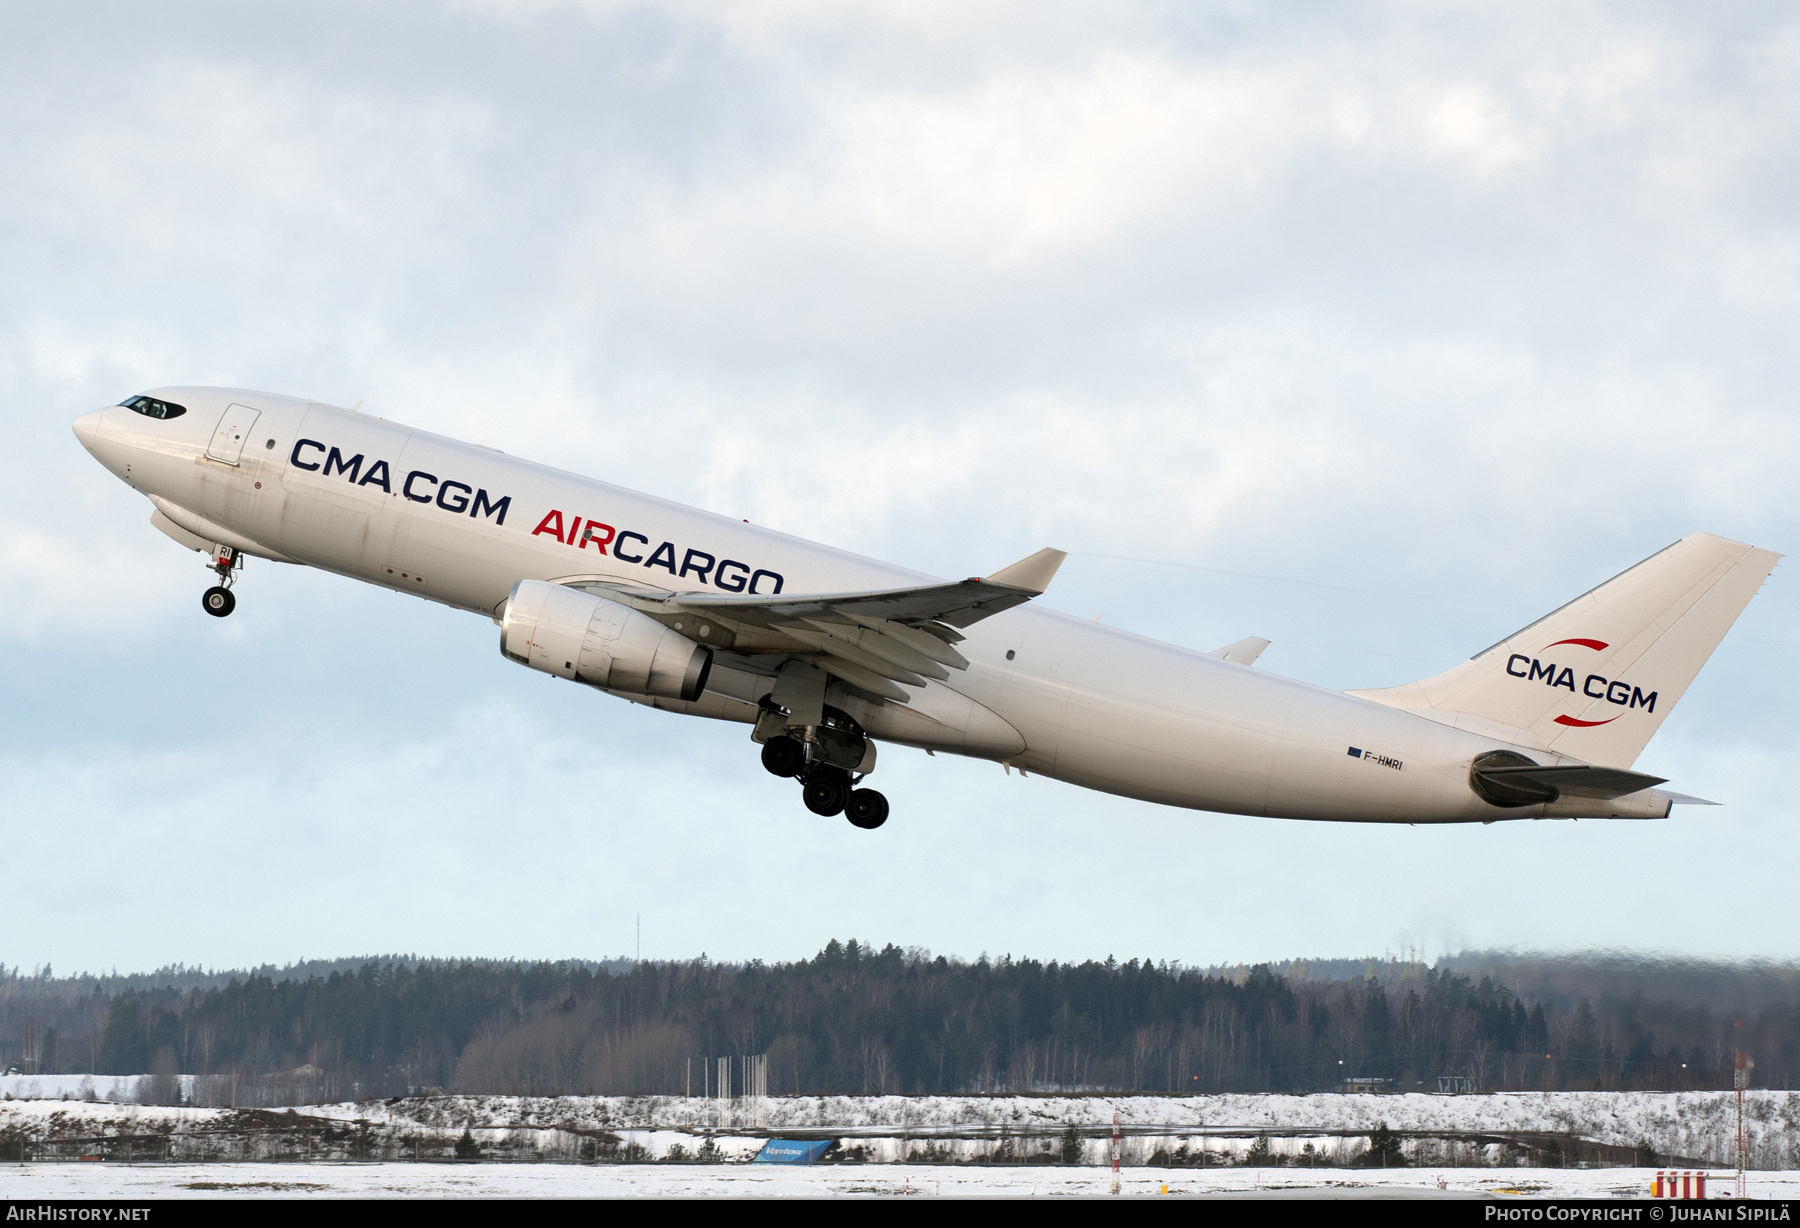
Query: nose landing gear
[[218, 600]]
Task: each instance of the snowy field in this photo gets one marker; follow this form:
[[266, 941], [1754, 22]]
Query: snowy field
[[74, 1181], [1698, 1125], [1694, 1124], [953, 1145]]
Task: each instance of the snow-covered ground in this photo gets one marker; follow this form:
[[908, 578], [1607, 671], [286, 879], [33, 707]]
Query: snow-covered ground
[[1694, 1124], [46, 1181], [1452, 1131]]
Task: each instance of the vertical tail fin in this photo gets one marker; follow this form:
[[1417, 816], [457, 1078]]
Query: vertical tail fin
[[1595, 679]]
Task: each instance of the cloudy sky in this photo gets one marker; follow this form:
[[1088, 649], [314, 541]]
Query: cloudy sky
[[1377, 330]]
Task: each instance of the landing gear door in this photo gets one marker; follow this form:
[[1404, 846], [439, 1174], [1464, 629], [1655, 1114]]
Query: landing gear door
[[228, 441]]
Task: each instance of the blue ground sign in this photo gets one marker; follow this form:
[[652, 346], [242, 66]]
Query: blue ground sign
[[791, 1151]]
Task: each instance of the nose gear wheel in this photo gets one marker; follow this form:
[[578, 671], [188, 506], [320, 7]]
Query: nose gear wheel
[[218, 600]]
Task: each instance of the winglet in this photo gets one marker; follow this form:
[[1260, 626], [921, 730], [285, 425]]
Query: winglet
[[1033, 574], [1244, 652]]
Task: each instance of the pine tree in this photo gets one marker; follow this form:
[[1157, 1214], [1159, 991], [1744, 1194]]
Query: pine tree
[[123, 1050], [1384, 1149], [466, 1146], [1071, 1145], [362, 1142]]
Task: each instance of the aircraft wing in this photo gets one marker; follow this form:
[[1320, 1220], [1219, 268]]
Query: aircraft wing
[[873, 639], [959, 603]]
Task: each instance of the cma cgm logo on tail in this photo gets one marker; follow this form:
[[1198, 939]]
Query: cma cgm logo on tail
[[419, 486], [1593, 686], [628, 546]]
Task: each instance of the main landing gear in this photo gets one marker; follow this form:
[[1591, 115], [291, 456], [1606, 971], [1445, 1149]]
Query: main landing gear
[[218, 600], [827, 788]]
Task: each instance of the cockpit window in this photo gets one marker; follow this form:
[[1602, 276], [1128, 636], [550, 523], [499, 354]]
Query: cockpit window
[[150, 407]]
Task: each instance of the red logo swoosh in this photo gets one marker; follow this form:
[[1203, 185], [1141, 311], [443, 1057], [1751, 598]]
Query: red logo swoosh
[[1596, 645], [1572, 723]]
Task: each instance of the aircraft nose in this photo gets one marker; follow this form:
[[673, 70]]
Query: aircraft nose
[[87, 428]]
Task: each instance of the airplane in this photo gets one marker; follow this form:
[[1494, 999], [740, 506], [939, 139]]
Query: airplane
[[825, 654]]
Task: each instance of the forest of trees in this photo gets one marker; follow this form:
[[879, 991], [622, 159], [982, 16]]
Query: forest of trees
[[857, 1020]]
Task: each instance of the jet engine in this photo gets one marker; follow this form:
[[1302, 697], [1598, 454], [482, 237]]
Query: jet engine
[[572, 634]]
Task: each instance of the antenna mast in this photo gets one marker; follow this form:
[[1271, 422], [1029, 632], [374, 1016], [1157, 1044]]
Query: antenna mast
[[1741, 1067]]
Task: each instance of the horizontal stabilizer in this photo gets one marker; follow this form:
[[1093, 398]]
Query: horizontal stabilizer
[[1682, 799], [1244, 652], [1573, 780]]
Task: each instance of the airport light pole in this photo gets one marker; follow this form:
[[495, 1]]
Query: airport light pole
[[1740, 1081], [1115, 1153]]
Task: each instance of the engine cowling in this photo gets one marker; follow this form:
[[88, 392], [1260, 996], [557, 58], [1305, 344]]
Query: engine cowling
[[572, 634]]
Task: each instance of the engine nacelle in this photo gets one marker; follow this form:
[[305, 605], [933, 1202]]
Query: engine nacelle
[[572, 634]]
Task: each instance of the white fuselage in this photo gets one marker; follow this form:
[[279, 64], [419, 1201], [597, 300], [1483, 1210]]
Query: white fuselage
[[1047, 693]]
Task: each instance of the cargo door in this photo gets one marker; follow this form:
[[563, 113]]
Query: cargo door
[[228, 441]]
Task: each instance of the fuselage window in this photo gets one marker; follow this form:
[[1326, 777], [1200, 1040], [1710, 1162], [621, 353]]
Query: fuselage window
[[150, 407]]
